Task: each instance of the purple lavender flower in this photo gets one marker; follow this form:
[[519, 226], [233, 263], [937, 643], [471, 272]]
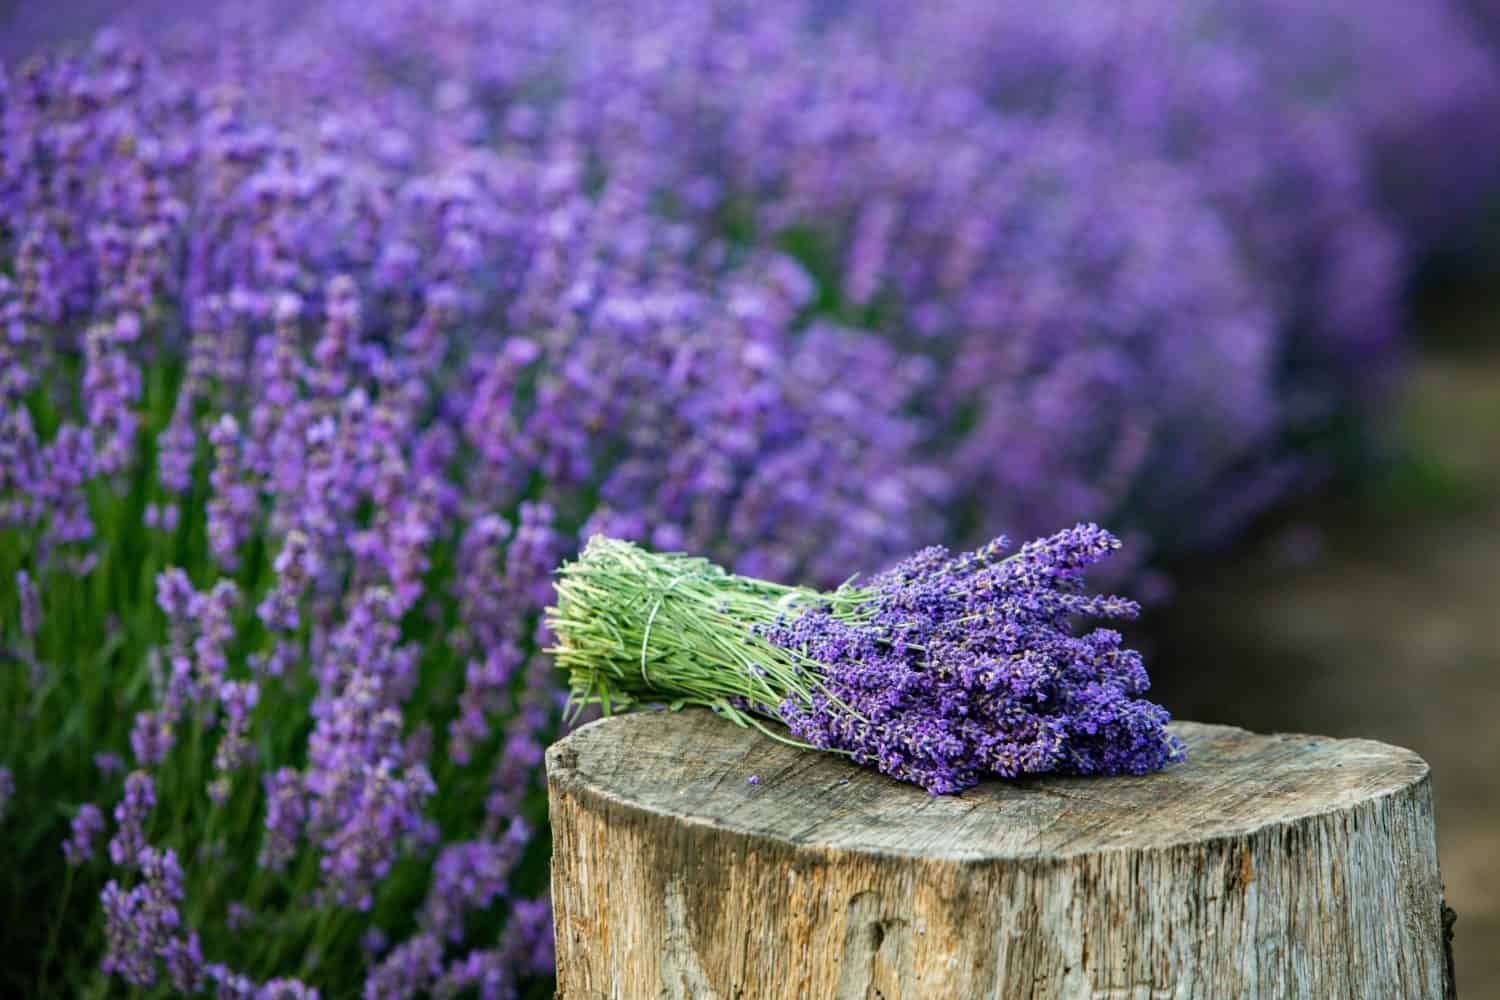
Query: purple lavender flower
[[232, 508], [286, 812], [409, 970], [524, 741], [968, 666], [338, 345], [215, 622], [67, 463], [228, 984], [374, 942], [525, 948], [238, 916], [161, 517], [366, 794], [142, 924], [128, 955], [112, 387], [151, 738], [20, 466], [128, 844], [296, 566], [176, 446], [7, 790], [183, 958], [238, 699], [286, 989], [486, 693], [87, 824], [470, 876], [31, 609]]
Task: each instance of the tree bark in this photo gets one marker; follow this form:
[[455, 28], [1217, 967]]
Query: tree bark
[[1262, 866]]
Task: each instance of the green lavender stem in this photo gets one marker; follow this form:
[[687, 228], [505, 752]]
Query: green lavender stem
[[57, 920], [635, 627]]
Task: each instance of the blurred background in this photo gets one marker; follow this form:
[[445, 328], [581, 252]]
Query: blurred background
[[1296, 204], [1375, 611]]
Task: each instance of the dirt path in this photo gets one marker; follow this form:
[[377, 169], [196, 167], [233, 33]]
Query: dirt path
[[1380, 617]]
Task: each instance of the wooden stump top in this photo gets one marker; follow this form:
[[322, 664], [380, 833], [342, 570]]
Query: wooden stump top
[[697, 768]]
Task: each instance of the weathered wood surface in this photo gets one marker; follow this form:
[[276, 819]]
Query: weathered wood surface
[[1264, 866]]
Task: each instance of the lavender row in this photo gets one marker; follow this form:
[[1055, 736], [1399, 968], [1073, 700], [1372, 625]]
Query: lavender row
[[337, 419], [1152, 251]]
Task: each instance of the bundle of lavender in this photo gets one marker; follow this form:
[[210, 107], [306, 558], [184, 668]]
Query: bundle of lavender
[[939, 671]]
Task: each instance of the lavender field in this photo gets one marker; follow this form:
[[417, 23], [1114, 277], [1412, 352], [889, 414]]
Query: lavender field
[[328, 330]]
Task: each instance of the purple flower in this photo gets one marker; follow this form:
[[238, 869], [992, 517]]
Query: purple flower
[[409, 970], [163, 517], [178, 601], [87, 824], [286, 989], [67, 462], [142, 926], [230, 985], [296, 567], [31, 608], [238, 917], [176, 446], [215, 621], [238, 699], [470, 876], [128, 845], [286, 812], [111, 388], [964, 666], [525, 949], [366, 794], [232, 508], [151, 738]]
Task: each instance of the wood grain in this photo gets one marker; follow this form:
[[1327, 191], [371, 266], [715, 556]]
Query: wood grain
[[1264, 866]]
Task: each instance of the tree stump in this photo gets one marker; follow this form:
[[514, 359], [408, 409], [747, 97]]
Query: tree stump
[[1263, 866]]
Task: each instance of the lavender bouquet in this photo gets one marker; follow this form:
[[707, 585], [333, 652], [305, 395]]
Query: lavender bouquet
[[939, 671]]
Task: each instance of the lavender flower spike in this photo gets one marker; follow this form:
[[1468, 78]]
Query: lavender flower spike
[[940, 671], [88, 823]]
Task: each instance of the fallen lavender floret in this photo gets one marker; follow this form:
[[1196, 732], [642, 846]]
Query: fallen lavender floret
[[940, 671]]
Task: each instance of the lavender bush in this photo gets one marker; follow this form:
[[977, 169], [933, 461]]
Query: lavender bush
[[1148, 284], [292, 441], [1151, 191], [1418, 88]]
